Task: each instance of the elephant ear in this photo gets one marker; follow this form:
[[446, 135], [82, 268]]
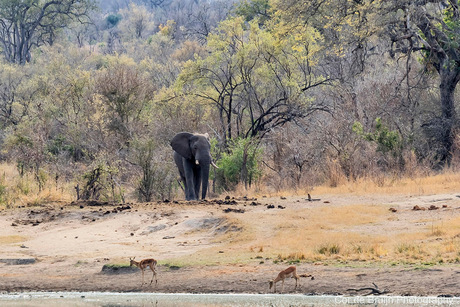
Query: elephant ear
[[181, 144]]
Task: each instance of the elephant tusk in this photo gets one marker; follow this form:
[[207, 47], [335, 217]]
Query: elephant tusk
[[197, 162], [212, 163]]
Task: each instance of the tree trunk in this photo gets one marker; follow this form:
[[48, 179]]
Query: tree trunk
[[449, 81]]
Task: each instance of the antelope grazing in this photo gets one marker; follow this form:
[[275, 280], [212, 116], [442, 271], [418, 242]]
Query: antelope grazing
[[290, 272], [143, 264]]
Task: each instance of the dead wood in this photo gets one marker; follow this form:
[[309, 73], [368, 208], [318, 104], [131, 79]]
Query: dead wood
[[374, 290]]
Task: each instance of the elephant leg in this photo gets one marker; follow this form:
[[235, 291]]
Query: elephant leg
[[182, 178], [189, 179], [197, 182], [180, 162]]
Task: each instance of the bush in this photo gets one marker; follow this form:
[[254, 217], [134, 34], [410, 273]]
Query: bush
[[239, 164], [100, 184], [157, 179], [389, 143]]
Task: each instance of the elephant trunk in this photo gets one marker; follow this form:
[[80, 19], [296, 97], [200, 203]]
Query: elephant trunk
[[204, 179]]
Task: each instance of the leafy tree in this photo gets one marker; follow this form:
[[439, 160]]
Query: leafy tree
[[388, 142], [251, 9], [256, 79], [15, 94], [125, 93], [29, 151], [432, 27], [112, 20], [157, 3], [28, 23], [65, 92], [240, 164], [427, 30], [137, 22]]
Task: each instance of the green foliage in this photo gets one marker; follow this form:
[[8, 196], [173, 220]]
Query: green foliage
[[252, 9], [240, 163], [112, 20], [387, 141], [20, 140], [58, 145], [453, 26], [256, 79]]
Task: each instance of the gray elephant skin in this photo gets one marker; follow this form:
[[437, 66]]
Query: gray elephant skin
[[192, 155]]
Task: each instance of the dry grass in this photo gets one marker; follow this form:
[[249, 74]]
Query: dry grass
[[445, 182], [337, 233], [23, 191], [11, 239]]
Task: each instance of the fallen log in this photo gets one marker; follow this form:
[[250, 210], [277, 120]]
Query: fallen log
[[374, 290]]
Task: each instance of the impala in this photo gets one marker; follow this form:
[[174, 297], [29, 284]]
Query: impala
[[290, 272], [143, 264]]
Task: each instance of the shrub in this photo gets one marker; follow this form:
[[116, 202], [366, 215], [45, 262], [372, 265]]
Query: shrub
[[240, 163], [100, 183], [329, 249]]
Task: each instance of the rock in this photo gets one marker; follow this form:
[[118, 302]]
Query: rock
[[151, 229], [233, 210], [18, 261], [118, 269]]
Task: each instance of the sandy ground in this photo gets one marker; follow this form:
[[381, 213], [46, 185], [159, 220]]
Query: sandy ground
[[67, 246]]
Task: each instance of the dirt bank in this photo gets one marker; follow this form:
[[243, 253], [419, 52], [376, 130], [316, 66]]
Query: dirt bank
[[208, 247]]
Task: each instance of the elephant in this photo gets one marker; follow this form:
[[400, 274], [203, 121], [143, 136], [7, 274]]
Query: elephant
[[192, 155]]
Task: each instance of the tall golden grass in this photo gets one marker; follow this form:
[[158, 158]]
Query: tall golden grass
[[16, 190], [443, 182]]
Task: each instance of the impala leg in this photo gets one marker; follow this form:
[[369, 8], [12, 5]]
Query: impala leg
[[153, 273], [282, 286]]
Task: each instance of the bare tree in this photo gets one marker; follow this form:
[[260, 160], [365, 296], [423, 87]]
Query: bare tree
[[32, 23]]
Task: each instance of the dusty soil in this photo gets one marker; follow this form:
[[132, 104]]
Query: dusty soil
[[63, 247]]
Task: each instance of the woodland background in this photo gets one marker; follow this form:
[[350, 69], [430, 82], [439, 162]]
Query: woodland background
[[293, 94]]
